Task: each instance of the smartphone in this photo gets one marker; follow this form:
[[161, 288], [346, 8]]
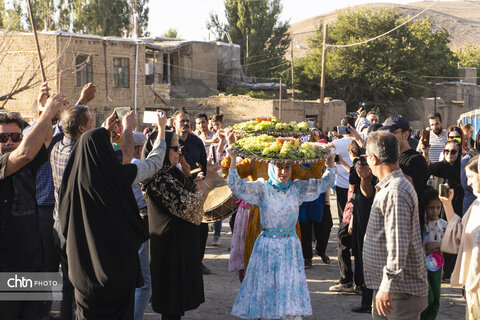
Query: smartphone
[[122, 111], [343, 130], [150, 117], [425, 137], [337, 158], [444, 190]]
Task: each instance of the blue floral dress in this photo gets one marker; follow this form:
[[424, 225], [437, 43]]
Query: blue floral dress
[[275, 285]]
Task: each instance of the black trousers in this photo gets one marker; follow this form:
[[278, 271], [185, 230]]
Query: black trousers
[[306, 231], [68, 301], [203, 238], [367, 294], [344, 256], [325, 228], [50, 260], [342, 194], [449, 265], [23, 310]]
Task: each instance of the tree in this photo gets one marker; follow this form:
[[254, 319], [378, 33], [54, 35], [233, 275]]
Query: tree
[[255, 25], [99, 17], [13, 17], [171, 33], [384, 72], [470, 58]]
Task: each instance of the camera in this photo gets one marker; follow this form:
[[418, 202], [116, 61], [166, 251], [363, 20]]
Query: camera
[[184, 151], [343, 130], [362, 160], [337, 158], [444, 190]]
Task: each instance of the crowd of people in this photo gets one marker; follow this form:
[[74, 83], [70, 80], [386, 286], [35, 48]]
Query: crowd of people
[[119, 212]]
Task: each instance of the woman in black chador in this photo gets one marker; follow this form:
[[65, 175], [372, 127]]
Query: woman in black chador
[[175, 211], [102, 225]]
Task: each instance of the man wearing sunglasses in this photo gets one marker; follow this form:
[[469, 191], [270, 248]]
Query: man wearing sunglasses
[[20, 158]]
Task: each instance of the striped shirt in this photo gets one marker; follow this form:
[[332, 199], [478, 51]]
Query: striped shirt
[[393, 252], [437, 143], [59, 159]]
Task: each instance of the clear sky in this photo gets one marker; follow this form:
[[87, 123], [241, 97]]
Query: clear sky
[[189, 17]]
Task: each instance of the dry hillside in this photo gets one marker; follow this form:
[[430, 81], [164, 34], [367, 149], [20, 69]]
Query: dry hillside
[[460, 18]]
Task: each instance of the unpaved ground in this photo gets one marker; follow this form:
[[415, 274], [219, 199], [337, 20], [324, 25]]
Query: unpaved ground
[[222, 286]]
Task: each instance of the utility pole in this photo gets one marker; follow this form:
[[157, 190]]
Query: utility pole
[[322, 76], [246, 57], [293, 77]]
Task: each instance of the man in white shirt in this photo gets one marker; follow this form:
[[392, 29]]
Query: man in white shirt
[[438, 137], [341, 188]]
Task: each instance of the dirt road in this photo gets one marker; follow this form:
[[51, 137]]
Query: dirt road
[[221, 287]]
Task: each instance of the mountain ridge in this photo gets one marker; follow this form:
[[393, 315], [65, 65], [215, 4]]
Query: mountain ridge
[[460, 18]]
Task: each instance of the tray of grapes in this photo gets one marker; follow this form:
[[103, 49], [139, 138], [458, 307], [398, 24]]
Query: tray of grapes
[[271, 126], [281, 150]]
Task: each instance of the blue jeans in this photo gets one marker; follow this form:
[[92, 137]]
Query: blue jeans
[[143, 294], [217, 227]]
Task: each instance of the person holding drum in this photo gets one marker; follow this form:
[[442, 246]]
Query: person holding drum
[[275, 285]]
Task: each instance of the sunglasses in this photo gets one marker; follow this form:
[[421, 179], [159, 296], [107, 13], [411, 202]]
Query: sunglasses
[[15, 136], [452, 151], [175, 148]]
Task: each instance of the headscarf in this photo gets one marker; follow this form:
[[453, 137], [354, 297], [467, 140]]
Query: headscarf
[[100, 220], [273, 181], [170, 190]]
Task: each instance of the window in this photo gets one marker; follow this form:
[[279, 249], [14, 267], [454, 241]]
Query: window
[[99, 119], [83, 70], [121, 73]]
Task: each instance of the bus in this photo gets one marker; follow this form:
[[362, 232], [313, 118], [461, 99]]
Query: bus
[[472, 117]]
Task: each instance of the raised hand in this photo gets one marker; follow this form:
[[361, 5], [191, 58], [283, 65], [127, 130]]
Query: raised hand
[[43, 95], [87, 94], [162, 119], [54, 105], [112, 121], [129, 121]]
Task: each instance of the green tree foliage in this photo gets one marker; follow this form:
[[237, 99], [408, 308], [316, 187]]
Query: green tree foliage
[[12, 17], [384, 72], [470, 58], [99, 17], [257, 21], [171, 33]]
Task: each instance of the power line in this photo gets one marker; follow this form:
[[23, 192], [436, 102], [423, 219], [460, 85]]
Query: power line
[[383, 34], [374, 38]]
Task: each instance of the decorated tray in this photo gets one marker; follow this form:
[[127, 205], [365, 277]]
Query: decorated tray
[[271, 126], [281, 150]]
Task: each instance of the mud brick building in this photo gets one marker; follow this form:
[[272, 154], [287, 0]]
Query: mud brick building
[[143, 73]]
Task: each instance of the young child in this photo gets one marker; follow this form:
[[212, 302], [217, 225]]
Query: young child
[[275, 286], [434, 231]]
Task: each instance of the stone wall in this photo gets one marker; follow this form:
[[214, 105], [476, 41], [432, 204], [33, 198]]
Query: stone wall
[[19, 56], [244, 108]]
